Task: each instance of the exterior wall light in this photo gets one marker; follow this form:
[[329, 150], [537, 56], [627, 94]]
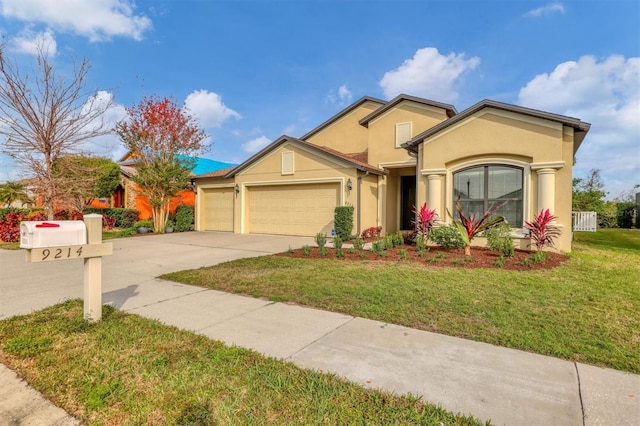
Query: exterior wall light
[[237, 189], [349, 185]]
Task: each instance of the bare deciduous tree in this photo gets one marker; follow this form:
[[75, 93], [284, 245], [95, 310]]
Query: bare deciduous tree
[[45, 116]]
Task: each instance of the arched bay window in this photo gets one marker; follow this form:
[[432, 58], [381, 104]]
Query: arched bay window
[[481, 187]]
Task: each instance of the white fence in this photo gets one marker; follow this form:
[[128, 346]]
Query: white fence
[[585, 221]]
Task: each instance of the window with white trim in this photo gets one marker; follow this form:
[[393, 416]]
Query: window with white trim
[[287, 163], [403, 133], [479, 188]]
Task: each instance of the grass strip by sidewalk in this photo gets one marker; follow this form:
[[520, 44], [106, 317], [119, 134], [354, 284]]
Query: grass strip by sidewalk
[[131, 370], [585, 310]]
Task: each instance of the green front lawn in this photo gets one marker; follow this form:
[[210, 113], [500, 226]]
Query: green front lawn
[[587, 310], [128, 370], [628, 239]]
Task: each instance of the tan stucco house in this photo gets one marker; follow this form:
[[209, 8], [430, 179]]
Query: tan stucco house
[[384, 157]]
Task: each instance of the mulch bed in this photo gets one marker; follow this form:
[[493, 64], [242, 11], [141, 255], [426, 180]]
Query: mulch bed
[[435, 256]]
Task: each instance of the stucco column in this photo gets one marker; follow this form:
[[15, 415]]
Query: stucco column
[[434, 190], [546, 189]]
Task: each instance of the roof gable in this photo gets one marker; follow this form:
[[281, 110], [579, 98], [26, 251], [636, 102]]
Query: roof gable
[[341, 114], [581, 128], [450, 109], [349, 159]]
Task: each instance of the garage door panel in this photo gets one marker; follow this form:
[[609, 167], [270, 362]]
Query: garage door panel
[[292, 209], [218, 209]]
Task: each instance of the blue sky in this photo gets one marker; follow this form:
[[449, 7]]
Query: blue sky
[[250, 71]]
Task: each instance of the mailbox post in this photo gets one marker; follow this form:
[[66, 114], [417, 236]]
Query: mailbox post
[[62, 240], [93, 270]]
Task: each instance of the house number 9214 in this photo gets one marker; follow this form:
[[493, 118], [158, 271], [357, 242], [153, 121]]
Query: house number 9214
[[62, 253]]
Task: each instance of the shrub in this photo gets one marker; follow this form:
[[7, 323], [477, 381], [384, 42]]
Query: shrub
[[321, 239], [36, 215], [306, 250], [358, 243], [146, 223], [539, 257], [5, 211], [499, 262], [343, 221], [625, 212], [403, 254], [499, 239], [397, 238], [10, 227], [542, 230], [323, 251], [447, 236], [184, 218], [373, 232], [378, 246], [108, 222], [337, 242], [125, 218]]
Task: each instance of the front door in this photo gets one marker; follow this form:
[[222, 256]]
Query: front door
[[407, 201]]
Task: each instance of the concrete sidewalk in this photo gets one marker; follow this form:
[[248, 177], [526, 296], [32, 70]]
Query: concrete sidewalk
[[492, 383]]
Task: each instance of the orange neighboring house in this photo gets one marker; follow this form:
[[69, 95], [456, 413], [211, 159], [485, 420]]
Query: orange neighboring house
[[127, 194]]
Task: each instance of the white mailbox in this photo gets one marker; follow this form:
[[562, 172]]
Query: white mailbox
[[52, 233]]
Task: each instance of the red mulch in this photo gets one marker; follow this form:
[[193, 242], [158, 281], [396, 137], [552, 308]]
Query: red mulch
[[480, 257]]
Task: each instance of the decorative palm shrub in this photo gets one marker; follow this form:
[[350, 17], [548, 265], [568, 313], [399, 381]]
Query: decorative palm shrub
[[424, 220], [469, 227], [543, 231]]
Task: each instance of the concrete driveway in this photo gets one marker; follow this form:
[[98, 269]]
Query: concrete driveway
[[131, 270]]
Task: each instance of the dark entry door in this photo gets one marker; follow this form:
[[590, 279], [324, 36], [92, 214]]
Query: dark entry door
[[407, 201]]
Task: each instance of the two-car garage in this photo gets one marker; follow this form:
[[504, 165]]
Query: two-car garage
[[291, 187], [285, 209]]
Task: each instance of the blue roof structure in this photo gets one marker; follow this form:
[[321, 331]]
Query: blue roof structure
[[202, 165], [205, 165]]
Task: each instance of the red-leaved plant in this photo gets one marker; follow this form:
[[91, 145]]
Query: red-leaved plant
[[424, 220], [543, 231], [469, 227], [372, 232]]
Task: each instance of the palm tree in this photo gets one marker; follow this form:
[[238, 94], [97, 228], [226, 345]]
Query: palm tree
[[13, 191]]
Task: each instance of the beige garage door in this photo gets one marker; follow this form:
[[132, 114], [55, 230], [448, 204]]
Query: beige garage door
[[217, 209], [292, 209]]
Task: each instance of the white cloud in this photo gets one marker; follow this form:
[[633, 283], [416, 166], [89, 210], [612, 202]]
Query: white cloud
[[605, 93], [208, 108], [546, 10], [428, 74], [342, 97], [29, 42], [97, 20], [256, 144], [108, 146]]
